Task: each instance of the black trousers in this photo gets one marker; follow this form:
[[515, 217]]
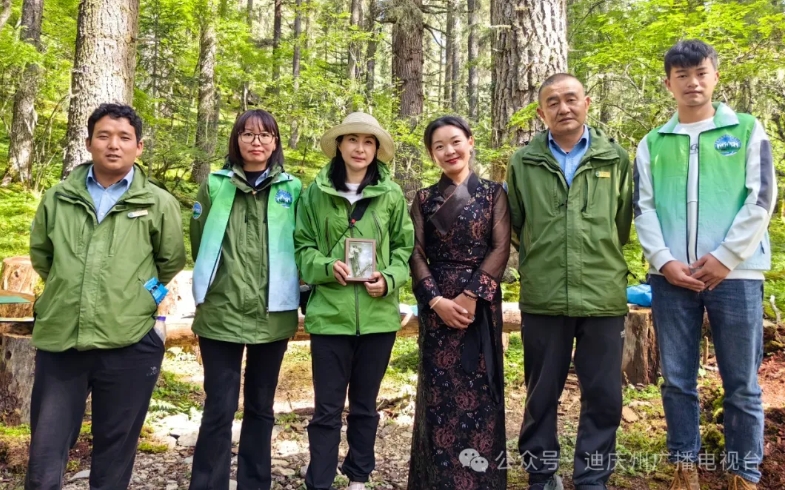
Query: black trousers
[[121, 381], [359, 363], [222, 369], [547, 351]]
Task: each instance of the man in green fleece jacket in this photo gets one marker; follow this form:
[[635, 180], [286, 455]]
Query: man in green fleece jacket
[[570, 194], [104, 240]]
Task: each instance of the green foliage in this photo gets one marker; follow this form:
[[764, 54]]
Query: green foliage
[[513, 361], [174, 396], [17, 210]]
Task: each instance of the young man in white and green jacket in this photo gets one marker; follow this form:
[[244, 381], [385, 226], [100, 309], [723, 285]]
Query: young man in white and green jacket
[[705, 189]]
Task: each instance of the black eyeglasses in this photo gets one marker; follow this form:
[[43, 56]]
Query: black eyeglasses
[[264, 138]]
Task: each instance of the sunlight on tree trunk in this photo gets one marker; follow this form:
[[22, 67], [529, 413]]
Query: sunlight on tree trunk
[[206, 117]]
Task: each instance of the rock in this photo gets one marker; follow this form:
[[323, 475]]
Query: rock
[[639, 403], [303, 471], [288, 448], [283, 471], [232, 485], [279, 462], [277, 429], [189, 460], [236, 427], [172, 486], [188, 439], [82, 475], [629, 415]]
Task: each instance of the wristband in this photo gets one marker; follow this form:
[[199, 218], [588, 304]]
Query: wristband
[[439, 298]]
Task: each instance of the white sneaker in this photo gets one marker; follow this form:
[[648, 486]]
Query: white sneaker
[[357, 486]]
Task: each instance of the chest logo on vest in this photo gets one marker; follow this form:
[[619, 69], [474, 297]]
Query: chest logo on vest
[[197, 210], [283, 198], [727, 145]]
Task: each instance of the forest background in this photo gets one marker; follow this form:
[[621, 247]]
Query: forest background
[[190, 67]]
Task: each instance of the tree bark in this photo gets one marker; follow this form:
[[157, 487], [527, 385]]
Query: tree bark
[[104, 67], [407, 68], [530, 44], [449, 49], [249, 13], [276, 44], [17, 365], [24, 119], [354, 46], [205, 112], [5, 12], [370, 53], [474, 77], [294, 133]]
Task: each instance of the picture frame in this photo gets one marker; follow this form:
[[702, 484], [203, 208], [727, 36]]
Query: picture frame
[[361, 258]]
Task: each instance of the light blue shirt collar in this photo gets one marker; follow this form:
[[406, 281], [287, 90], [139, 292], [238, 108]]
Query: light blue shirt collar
[[582, 143], [571, 160], [105, 198]]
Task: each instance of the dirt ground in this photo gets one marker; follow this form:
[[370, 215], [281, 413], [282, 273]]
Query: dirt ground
[[641, 439]]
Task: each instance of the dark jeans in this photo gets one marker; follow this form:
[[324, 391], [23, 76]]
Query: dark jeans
[[222, 368], [735, 309], [547, 351], [121, 381], [359, 363]]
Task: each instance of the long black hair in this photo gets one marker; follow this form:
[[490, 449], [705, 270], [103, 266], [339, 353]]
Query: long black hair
[[337, 172], [267, 121]]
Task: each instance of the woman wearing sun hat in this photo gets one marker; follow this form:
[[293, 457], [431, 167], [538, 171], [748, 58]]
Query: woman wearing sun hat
[[352, 324]]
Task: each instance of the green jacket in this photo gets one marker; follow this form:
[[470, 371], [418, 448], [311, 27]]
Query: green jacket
[[322, 228], [570, 238], [94, 297], [235, 308]]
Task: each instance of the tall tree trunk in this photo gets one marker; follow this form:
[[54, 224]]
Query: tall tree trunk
[[455, 58], [474, 77], [354, 45], [449, 48], [294, 134], [20, 149], [370, 52], [407, 67], [104, 67], [5, 12], [205, 112], [249, 13], [530, 44], [276, 44]]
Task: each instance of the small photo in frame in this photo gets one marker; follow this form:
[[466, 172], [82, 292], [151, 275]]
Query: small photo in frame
[[361, 259]]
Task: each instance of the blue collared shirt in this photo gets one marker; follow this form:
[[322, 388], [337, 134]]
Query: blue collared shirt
[[570, 160], [104, 199]]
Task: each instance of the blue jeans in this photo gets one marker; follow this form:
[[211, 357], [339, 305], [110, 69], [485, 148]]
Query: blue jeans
[[735, 313]]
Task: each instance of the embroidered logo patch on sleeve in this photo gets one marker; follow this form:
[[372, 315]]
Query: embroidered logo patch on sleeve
[[197, 210], [283, 198], [727, 145]]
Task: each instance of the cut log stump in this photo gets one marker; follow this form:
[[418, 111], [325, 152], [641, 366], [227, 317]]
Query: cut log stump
[[640, 358], [17, 275], [17, 365]]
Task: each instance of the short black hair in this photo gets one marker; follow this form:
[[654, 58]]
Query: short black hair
[[115, 111], [689, 53], [268, 123], [337, 172], [557, 77], [441, 122]]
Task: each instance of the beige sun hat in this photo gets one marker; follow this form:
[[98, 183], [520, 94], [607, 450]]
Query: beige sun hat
[[359, 123]]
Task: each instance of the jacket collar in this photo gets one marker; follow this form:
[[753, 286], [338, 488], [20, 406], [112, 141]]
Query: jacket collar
[[724, 116], [537, 151], [472, 182], [138, 193], [240, 181]]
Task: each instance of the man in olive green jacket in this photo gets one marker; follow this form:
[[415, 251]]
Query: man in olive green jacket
[[105, 241], [570, 195]]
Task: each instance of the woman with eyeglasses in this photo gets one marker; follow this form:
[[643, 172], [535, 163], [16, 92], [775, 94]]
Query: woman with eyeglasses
[[242, 239]]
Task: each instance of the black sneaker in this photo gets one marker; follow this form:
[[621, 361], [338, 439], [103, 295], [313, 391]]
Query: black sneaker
[[553, 484]]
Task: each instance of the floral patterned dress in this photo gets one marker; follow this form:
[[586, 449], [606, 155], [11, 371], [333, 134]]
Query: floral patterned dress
[[462, 242]]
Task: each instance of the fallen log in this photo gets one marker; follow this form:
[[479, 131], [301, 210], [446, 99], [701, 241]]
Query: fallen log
[[17, 276], [640, 361]]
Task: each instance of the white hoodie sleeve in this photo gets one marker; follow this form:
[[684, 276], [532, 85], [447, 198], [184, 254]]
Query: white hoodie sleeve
[[752, 220], [647, 224]]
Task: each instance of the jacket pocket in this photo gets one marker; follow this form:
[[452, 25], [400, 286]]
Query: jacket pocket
[[148, 300]]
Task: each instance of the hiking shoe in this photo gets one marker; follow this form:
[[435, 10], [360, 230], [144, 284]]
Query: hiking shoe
[[735, 482], [686, 477], [553, 484]]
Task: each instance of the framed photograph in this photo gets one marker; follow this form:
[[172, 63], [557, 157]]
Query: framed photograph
[[361, 259]]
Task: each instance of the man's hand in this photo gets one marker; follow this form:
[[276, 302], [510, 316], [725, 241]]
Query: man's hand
[[710, 270], [678, 274]]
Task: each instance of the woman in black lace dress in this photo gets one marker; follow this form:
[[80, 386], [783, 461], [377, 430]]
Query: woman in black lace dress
[[462, 243]]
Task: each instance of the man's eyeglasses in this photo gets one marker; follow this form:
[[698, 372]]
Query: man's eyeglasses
[[248, 137]]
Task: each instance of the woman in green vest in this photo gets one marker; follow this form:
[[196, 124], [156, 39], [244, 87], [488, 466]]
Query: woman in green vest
[[352, 324], [242, 239]]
